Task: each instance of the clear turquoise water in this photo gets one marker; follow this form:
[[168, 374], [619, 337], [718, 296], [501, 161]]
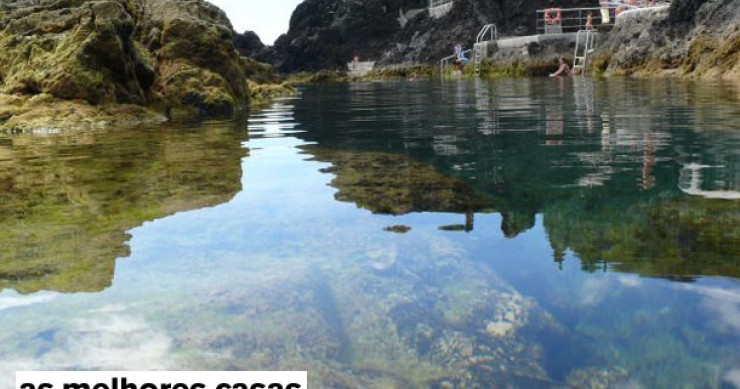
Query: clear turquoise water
[[528, 233]]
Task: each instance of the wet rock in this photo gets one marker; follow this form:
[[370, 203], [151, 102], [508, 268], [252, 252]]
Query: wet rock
[[198, 67], [593, 378], [694, 38], [383, 259], [248, 44], [20, 113], [164, 54]]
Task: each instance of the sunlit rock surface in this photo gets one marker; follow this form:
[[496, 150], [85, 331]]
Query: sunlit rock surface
[[695, 38], [165, 54]]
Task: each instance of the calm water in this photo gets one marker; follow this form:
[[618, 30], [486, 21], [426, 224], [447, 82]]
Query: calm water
[[515, 234]]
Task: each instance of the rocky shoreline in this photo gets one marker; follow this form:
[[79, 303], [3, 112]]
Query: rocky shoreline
[[691, 38], [80, 64]]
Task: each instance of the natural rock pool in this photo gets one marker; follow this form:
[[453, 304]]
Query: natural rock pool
[[533, 233]]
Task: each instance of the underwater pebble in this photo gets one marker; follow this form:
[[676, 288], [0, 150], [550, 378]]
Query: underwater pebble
[[499, 329], [446, 385]]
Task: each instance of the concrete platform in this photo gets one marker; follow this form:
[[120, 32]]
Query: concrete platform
[[359, 69], [520, 41]]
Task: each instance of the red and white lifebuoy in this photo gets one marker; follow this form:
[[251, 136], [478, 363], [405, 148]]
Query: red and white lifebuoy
[[553, 16]]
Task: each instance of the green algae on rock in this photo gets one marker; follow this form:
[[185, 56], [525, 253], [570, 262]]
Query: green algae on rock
[[263, 93], [403, 334], [690, 38], [199, 67], [20, 113], [174, 56], [319, 77]]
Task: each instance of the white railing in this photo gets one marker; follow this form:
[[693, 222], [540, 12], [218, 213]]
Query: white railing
[[575, 19], [487, 29]]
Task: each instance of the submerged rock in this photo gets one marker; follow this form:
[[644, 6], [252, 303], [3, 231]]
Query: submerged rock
[[354, 328]]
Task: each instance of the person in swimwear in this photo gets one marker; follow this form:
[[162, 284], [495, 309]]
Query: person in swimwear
[[563, 70]]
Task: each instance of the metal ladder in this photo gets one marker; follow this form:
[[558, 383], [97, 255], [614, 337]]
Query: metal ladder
[[477, 59], [585, 42], [488, 29]]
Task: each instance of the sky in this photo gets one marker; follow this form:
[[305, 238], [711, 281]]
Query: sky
[[267, 19]]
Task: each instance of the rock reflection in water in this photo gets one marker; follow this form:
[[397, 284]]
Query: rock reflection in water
[[677, 238], [672, 236], [67, 200], [618, 190], [394, 184]]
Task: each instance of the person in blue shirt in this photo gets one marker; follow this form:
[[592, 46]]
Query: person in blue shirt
[[460, 59]]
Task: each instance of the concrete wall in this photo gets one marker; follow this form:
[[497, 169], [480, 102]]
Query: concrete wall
[[533, 55], [525, 48]]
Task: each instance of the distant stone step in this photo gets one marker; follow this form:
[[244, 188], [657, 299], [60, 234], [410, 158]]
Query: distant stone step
[[360, 68]]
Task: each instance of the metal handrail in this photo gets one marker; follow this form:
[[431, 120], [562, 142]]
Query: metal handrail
[[574, 19], [485, 30]]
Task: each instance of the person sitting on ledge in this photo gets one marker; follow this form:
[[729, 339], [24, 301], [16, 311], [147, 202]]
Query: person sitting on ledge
[[563, 71], [460, 59]]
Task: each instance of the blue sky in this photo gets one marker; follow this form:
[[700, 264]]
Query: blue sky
[[267, 19]]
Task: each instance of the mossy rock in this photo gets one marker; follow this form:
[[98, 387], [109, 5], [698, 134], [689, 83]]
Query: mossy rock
[[320, 77], [175, 55], [402, 72], [263, 93], [21, 113], [258, 72]]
